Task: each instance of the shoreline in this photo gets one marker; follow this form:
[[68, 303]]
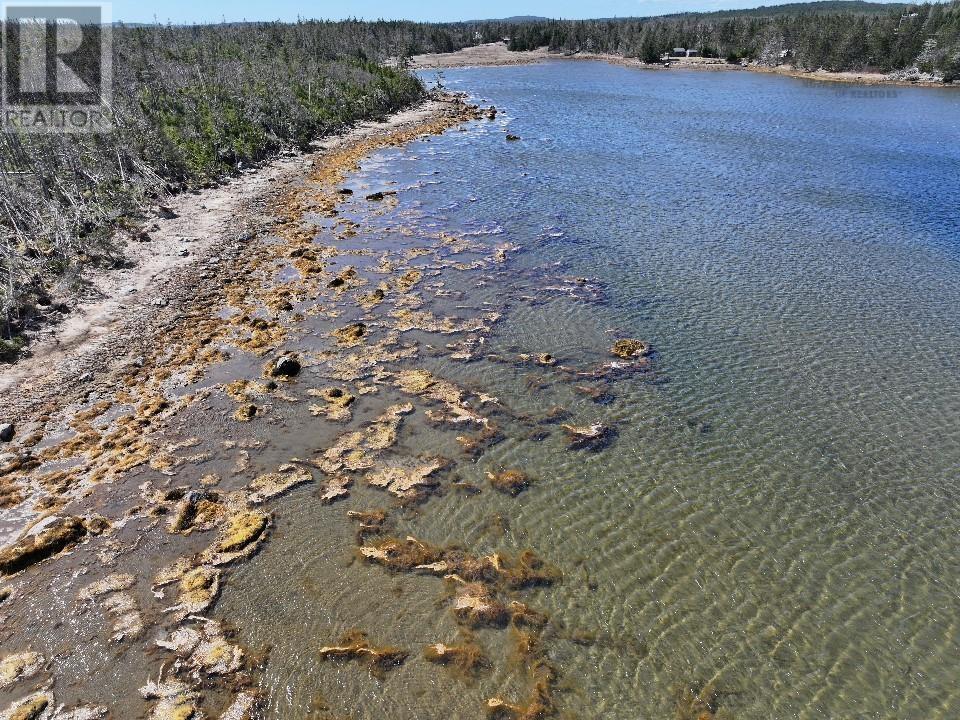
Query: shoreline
[[137, 479], [497, 55], [103, 335]]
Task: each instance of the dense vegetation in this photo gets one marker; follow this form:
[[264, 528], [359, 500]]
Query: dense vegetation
[[866, 37], [191, 104]]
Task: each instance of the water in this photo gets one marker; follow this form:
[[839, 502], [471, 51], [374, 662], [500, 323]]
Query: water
[[778, 514]]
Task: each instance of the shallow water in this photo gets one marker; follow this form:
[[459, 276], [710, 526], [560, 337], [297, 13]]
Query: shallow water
[[777, 515]]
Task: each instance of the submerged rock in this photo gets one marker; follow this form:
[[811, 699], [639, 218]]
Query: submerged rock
[[591, 437], [628, 349], [511, 482], [59, 535]]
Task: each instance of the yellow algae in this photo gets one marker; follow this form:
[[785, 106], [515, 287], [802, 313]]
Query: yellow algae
[[175, 700], [338, 403], [198, 589], [30, 708], [243, 707], [18, 666], [408, 280], [270, 485], [127, 620], [475, 604], [197, 510], [372, 299], [239, 536], [109, 584], [357, 450], [61, 534], [245, 412], [629, 348], [406, 482], [350, 335], [335, 489]]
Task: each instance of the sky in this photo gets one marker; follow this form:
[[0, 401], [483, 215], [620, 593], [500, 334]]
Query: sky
[[196, 11]]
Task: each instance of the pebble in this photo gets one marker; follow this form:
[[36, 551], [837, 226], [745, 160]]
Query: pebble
[[6, 432]]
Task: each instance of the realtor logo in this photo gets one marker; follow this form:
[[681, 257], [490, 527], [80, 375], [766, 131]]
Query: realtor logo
[[57, 67]]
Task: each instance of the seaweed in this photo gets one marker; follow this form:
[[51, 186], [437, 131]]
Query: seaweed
[[509, 482], [466, 658], [350, 335], [353, 645], [475, 604]]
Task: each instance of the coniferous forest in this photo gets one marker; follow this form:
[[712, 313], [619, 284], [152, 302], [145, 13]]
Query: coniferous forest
[[192, 104]]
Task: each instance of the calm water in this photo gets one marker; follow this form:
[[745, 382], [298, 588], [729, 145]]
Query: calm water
[[779, 514]]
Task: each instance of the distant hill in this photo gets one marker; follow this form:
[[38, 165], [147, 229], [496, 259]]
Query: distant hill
[[823, 7], [518, 19]]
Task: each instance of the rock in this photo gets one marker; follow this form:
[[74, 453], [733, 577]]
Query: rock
[[17, 666], [161, 302], [184, 253], [629, 348], [510, 482], [492, 112], [512, 138], [85, 378], [286, 366], [375, 196], [58, 535], [345, 191], [592, 436], [166, 213], [7, 432]]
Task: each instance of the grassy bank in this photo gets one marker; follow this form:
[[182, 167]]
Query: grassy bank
[[192, 105]]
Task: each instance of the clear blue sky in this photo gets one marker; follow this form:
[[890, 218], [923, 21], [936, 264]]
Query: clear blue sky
[[191, 11]]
